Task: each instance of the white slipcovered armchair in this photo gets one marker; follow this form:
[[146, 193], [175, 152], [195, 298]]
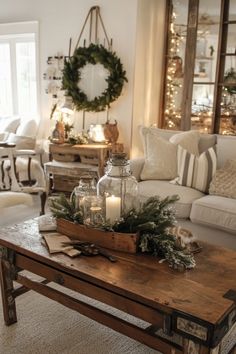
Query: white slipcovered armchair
[[21, 163]]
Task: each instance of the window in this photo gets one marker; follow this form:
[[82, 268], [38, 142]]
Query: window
[[200, 81], [18, 70]]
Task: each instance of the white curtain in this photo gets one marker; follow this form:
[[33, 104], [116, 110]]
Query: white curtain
[[148, 67]]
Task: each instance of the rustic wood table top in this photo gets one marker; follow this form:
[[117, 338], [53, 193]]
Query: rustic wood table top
[[198, 293]]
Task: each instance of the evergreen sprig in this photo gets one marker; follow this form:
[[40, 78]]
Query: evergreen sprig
[[155, 215], [152, 221], [62, 208], [165, 246]]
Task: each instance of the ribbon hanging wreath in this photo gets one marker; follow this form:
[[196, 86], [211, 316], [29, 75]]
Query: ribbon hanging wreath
[[93, 54]]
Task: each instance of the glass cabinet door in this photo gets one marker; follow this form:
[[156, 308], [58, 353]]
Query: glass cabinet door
[[176, 47], [226, 98], [200, 72]]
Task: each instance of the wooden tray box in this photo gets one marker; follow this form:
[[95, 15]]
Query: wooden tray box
[[116, 241]]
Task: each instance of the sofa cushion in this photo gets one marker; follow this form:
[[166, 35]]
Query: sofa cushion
[[195, 171], [188, 140], [144, 131], [224, 181], [161, 159], [226, 149], [164, 188], [215, 211], [206, 141]]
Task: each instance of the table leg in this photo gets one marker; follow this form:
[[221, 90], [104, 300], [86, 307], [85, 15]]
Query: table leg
[[190, 347], [8, 301]]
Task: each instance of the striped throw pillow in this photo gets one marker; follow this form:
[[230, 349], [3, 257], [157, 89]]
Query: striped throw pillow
[[196, 171]]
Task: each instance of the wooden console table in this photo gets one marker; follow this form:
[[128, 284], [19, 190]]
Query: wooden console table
[[93, 154], [70, 162], [193, 312]]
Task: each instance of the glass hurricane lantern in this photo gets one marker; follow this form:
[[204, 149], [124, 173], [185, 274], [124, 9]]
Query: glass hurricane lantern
[[118, 188]]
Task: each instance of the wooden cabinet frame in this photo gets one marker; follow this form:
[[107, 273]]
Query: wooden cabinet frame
[[190, 55]]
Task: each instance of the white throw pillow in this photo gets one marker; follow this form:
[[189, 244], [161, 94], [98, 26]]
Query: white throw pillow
[[161, 159], [188, 140], [145, 131], [28, 128], [196, 171], [224, 181]]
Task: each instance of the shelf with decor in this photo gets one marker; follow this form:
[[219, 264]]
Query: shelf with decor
[[70, 162]]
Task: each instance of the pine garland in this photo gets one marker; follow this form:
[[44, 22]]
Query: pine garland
[[62, 208], [155, 215], [153, 221]]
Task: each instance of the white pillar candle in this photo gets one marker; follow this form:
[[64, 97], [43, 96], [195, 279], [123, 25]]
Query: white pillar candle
[[113, 205]]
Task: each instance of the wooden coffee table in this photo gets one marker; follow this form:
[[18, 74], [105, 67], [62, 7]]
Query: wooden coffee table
[[189, 312]]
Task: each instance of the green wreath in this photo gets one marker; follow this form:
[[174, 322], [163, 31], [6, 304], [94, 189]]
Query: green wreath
[[93, 54]]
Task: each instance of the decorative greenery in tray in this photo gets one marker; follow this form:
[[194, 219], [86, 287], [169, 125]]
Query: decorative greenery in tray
[[153, 221], [81, 138], [93, 54]]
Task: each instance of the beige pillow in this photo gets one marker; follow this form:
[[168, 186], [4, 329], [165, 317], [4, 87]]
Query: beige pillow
[[160, 160], [224, 181], [230, 164], [22, 142], [145, 131], [188, 140], [27, 128], [195, 171], [206, 141]]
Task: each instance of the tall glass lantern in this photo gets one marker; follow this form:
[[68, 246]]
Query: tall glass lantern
[[118, 188]]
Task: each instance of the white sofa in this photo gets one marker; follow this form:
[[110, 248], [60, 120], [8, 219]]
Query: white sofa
[[210, 217]]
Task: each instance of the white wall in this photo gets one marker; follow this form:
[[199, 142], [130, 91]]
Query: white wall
[[61, 19], [148, 67]]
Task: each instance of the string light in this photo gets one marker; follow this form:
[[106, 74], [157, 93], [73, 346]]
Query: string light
[[172, 116], [202, 112]]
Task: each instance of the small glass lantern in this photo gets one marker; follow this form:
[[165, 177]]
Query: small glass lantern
[[86, 187], [93, 211], [118, 188]]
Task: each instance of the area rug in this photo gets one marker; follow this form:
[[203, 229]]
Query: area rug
[[47, 327]]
